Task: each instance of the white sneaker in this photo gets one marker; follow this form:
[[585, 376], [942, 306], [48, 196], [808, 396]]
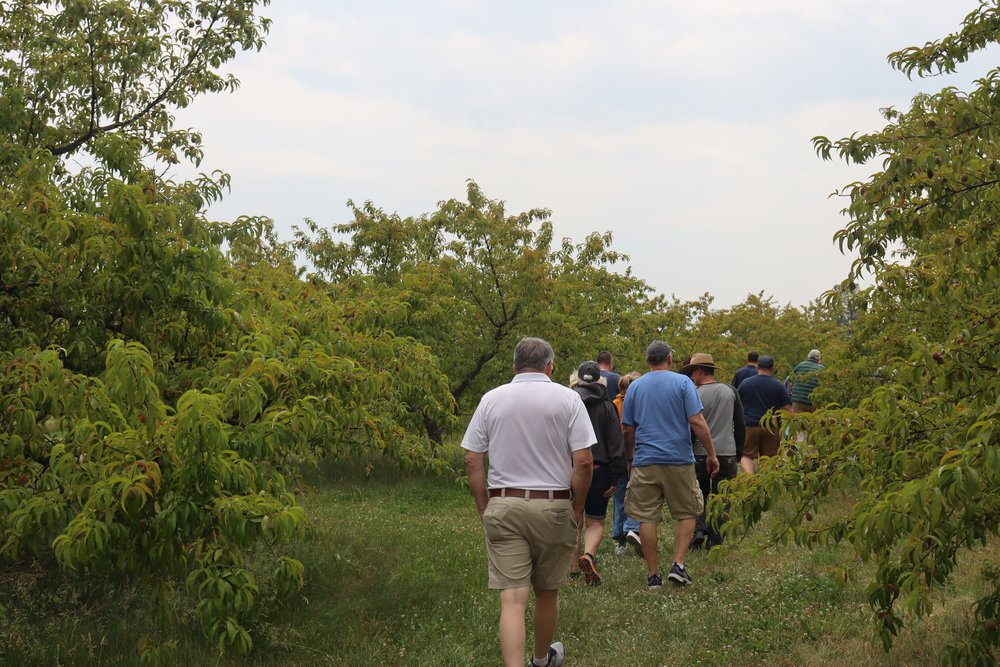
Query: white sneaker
[[633, 539], [557, 655], [621, 548]]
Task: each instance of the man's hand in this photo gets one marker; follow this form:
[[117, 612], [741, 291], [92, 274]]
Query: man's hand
[[610, 492], [700, 428], [712, 465]]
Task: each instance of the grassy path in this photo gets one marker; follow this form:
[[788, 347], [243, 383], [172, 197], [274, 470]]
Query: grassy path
[[396, 575]]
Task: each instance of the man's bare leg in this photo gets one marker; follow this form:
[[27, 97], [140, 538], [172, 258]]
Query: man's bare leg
[[513, 604], [544, 622], [682, 538], [594, 535], [650, 546], [747, 464]]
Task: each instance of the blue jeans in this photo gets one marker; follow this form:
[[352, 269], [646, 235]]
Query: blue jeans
[[622, 524]]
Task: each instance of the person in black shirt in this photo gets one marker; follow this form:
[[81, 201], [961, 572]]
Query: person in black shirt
[[759, 394], [607, 364], [610, 466], [747, 371]]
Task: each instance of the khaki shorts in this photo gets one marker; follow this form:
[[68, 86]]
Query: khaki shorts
[[529, 541], [802, 407], [651, 486], [760, 442]]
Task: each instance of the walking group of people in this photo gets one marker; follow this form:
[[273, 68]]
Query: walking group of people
[[557, 457]]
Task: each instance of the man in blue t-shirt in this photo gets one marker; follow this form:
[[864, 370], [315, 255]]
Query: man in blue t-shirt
[[759, 394], [661, 409]]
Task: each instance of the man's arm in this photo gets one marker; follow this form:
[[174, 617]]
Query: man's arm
[[739, 424], [700, 428], [629, 432], [475, 469], [786, 397], [583, 472], [615, 440]]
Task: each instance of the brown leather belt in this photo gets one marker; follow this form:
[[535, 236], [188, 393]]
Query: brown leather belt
[[527, 494]]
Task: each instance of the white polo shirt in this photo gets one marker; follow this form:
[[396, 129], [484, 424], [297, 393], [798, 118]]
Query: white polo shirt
[[529, 429]]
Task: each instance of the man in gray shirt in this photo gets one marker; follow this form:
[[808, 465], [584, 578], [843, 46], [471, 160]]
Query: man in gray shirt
[[724, 414]]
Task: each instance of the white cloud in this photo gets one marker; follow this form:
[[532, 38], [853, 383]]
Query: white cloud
[[668, 123]]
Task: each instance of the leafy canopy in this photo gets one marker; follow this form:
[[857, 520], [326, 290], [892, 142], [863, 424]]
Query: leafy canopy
[[911, 435], [471, 280], [158, 395]]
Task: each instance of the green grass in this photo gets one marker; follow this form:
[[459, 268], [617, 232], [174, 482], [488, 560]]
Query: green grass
[[396, 575]]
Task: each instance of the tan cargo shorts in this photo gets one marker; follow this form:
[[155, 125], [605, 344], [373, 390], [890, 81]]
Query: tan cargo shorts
[[650, 486], [529, 541]]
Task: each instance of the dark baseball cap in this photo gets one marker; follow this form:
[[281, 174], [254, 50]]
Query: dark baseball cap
[[589, 371], [658, 349]]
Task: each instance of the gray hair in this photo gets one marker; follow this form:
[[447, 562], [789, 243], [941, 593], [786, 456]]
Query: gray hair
[[532, 354], [657, 352]]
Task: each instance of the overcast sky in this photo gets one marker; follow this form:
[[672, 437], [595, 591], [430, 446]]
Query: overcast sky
[[682, 127]]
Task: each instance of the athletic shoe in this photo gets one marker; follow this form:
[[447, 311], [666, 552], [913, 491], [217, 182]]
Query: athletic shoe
[[621, 547], [556, 657], [589, 569], [574, 575], [633, 539], [679, 575], [654, 581], [699, 541]]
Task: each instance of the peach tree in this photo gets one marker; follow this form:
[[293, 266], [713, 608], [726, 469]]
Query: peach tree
[[910, 432], [473, 278], [163, 377]]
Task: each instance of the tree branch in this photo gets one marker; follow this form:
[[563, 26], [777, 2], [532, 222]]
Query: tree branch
[[101, 129]]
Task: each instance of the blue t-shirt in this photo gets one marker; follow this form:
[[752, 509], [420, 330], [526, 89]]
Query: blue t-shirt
[[759, 394], [658, 405], [612, 379]]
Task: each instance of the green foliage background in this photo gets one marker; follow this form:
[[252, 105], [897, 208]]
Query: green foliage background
[[165, 378], [911, 425]]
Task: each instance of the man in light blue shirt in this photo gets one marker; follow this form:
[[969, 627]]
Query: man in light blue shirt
[[661, 410]]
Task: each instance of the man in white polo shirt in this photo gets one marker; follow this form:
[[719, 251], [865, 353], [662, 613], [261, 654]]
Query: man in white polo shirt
[[538, 437]]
